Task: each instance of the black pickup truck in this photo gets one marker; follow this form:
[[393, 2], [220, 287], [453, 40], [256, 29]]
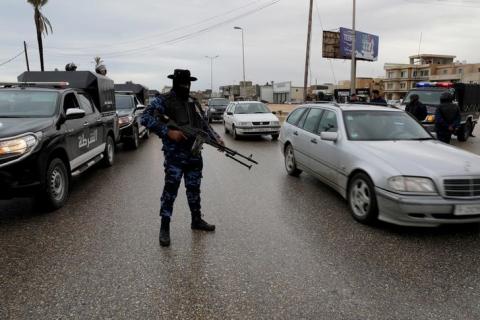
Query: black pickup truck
[[53, 126], [467, 96]]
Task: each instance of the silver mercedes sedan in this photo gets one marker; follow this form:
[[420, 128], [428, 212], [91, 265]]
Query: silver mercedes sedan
[[384, 163]]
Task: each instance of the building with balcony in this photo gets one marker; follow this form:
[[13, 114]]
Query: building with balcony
[[400, 78]]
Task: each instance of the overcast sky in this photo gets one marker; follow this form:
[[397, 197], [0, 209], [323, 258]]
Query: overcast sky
[[144, 40]]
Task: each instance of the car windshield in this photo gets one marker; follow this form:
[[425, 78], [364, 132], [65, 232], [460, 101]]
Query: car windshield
[[383, 126], [248, 108], [123, 102], [218, 103], [425, 97], [27, 104]]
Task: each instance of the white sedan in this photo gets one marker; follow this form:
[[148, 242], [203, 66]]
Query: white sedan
[[250, 118]]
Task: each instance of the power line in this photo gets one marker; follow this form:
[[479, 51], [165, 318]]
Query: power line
[[448, 3], [188, 35], [321, 26], [175, 40], [11, 59], [156, 35]]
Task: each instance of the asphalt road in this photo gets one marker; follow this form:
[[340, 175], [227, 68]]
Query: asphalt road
[[284, 248]]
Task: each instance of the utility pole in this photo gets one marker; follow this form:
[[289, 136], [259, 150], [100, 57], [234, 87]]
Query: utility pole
[[353, 77], [211, 72], [26, 54], [307, 58]]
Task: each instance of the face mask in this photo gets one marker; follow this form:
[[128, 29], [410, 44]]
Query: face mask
[[182, 89]]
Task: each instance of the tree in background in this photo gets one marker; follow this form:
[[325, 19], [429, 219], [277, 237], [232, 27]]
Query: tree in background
[[42, 24]]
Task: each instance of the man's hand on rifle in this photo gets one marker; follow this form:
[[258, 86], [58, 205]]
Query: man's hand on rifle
[[176, 135], [221, 142]]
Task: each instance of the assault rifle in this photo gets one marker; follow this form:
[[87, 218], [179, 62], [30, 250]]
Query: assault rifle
[[203, 137]]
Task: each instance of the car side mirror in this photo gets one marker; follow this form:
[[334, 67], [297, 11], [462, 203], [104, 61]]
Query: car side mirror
[[140, 107], [329, 136], [75, 113], [230, 113]]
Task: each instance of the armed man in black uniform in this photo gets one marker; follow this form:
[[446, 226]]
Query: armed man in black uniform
[[447, 118], [180, 161]]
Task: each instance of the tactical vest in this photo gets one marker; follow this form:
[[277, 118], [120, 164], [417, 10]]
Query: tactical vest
[[182, 112]]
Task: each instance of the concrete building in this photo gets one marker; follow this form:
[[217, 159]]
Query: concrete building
[[266, 93], [242, 91], [364, 87], [426, 67], [284, 92]]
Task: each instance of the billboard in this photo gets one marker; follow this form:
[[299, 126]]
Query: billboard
[[282, 87], [366, 45], [331, 45]]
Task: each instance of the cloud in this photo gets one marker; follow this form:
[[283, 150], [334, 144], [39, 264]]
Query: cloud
[[134, 38]]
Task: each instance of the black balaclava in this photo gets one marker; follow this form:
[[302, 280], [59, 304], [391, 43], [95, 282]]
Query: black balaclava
[[181, 87]]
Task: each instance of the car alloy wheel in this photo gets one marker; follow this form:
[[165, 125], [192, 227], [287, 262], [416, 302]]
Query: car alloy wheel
[[362, 199], [290, 164]]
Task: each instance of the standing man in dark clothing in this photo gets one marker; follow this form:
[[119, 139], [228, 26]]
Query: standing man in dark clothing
[[447, 118], [377, 98], [179, 160], [416, 108]]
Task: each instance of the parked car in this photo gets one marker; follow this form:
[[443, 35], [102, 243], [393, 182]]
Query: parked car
[[250, 118], [52, 131], [216, 108], [129, 111], [384, 163]]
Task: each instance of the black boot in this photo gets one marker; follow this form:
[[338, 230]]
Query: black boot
[[165, 232], [199, 224]]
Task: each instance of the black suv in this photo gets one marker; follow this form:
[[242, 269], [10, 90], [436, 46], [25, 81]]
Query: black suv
[[129, 111], [215, 108], [131, 99], [51, 131]]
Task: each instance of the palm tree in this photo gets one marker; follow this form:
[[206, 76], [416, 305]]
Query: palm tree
[[42, 24]]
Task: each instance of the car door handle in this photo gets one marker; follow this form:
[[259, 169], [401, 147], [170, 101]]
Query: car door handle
[[85, 124], [314, 141], [99, 120], [295, 133]]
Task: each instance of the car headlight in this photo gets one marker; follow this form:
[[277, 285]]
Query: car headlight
[[18, 146], [412, 184], [430, 118], [275, 123], [122, 121], [213, 109]]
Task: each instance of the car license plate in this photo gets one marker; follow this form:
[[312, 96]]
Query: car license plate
[[467, 209]]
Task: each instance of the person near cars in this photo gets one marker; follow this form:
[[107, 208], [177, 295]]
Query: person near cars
[[179, 107], [416, 108], [354, 98], [447, 118], [377, 98]]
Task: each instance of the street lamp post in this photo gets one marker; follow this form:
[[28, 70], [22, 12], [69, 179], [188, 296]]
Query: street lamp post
[[211, 72], [243, 55]]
